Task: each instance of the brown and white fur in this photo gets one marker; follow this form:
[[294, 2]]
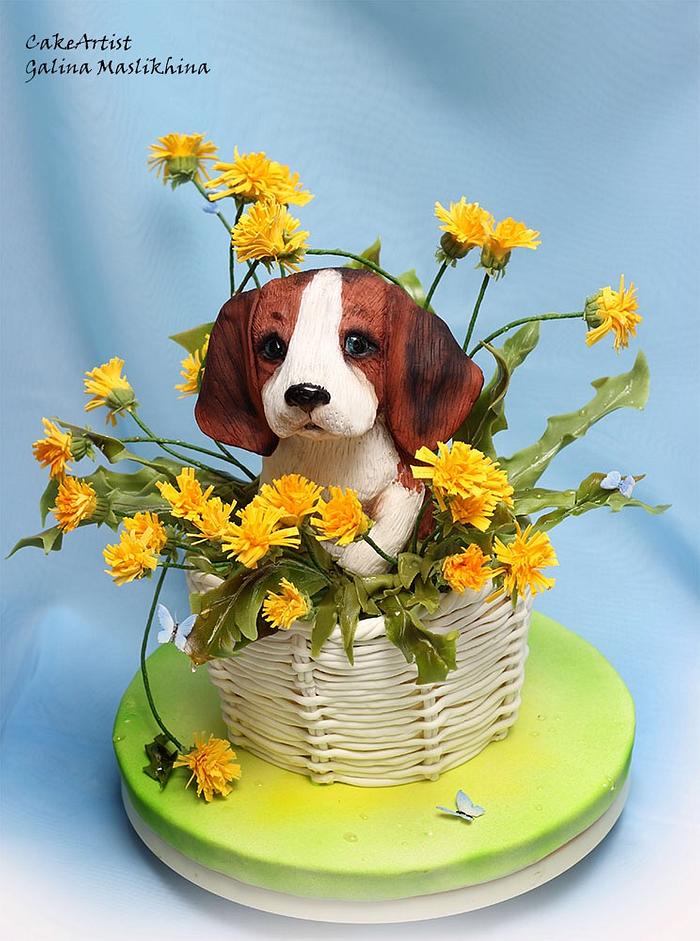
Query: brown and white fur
[[286, 377]]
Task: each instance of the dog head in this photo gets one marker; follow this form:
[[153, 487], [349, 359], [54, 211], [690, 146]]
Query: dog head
[[321, 353]]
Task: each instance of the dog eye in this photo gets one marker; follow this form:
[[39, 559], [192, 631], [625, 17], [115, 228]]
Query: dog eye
[[358, 345], [272, 347]]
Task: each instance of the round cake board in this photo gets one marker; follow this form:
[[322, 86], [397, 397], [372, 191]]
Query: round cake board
[[551, 790]]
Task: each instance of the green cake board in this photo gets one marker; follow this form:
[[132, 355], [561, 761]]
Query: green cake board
[[559, 774]]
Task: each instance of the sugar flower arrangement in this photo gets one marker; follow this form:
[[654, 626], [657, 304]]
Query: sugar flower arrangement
[[484, 526]]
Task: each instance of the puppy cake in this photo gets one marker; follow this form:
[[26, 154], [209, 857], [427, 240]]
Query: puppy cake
[[363, 604]]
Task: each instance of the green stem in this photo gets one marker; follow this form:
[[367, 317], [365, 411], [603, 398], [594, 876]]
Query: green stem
[[176, 565], [219, 214], [306, 539], [144, 672], [441, 270], [188, 447], [181, 457], [250, 274], [234, 460], [576, 315], [283, 273], [363, 261], [419, 520], [255, 277], [475, 312], [381, 552]]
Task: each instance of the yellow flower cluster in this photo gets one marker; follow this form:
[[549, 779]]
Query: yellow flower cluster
[[213, 766], [468, 225], [464, 480], [109, 388], [53, 451], [613, 312], [187, 500], [268, 233], [296, 496], [283, 609], [467, 569], [136, 553], [253, 177], [76, 502], [192, 370], [258, 531], [341, 517], [522, 559], [179, 158]]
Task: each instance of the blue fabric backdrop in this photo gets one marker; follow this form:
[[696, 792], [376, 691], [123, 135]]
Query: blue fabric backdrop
[[579, 118]]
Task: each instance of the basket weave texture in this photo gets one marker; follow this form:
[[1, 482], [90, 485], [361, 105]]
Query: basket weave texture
[[370, 724]]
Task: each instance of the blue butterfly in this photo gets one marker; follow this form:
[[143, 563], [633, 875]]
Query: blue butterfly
[[466, 809], [172, 632], [615, 481], [209, 207]]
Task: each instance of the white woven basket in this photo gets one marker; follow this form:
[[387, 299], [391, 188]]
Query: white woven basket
[[370, 724]]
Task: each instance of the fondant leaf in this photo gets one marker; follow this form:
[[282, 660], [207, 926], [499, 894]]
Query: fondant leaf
[[434, 654], [161, 757], [193, 339], [48, 499], [50, 540], [408, 567], [487, 417], [628, 390], [590, 496], [371, 254], [410, 282], [326, 619], [349, 616]]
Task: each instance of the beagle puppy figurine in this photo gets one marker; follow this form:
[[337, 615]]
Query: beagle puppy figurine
[[340, 376]]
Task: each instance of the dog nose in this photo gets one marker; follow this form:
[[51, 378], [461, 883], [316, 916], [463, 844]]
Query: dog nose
[[307, 396]]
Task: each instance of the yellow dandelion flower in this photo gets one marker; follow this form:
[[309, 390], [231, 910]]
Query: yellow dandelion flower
[[341, 518], [466, 480], [294, 494], [187, 499], [522, 560], [259, 531], [75, 501], [613, 312], [192, 370], [284, 609], [110, 388], [148, 528], [253, 177], [212, 764], [267, 232], [214, 521], [466, 225], [467, 569], [507, 235], [53, 451], [179, 158], [132, 557]]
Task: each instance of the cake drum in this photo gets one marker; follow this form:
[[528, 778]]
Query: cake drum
[[552, 790]]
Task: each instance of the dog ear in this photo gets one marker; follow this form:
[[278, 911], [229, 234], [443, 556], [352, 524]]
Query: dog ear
[[229, 408], [430, 383]]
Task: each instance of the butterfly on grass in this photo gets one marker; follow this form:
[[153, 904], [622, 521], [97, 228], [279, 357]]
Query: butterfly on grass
[[466, 809]]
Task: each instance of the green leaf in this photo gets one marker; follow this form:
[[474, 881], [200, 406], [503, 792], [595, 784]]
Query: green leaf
[[371, 254], [326, 619], [408, 567], [349, 617], [367, 603], [591, 496], [628, 390], [426, 594], [433, 654], [193, 339], [161, 758], [215, 632], [533, 499], [249, 602], [48, 499], [112, 448], [411, 284], [50, 540], [487, 417]]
